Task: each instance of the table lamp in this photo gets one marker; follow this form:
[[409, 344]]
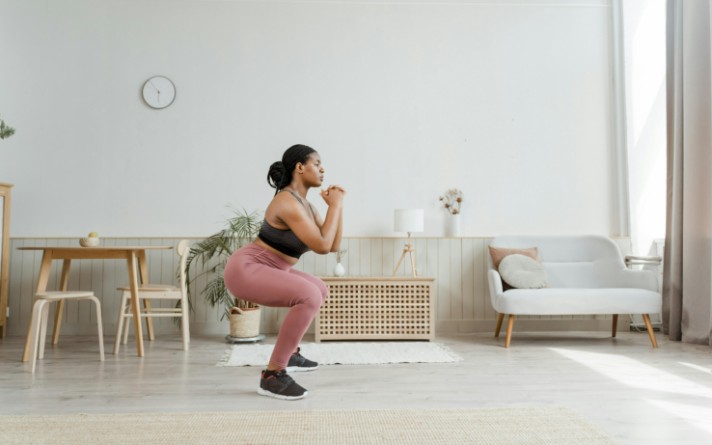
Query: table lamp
[[409, 221]]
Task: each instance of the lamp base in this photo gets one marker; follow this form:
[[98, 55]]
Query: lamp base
[[407, 250]]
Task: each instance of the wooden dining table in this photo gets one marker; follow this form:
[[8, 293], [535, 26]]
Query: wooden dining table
[[135, 257]]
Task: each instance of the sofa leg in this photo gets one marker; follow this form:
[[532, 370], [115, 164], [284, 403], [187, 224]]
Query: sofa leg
[[614, 327], [500, 318], [510, 325], [651, 334]]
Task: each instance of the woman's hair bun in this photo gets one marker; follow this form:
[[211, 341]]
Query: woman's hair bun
[[280, 172], [276, 175]]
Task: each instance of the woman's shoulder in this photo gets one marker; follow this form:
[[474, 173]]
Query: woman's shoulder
[[284, 196], [284, 201]]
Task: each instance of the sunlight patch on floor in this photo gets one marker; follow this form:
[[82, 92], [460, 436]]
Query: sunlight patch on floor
[[697, 367], [635, 374], [698, 416]]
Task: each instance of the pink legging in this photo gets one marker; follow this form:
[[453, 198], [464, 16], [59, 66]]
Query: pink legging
[[256, 274]]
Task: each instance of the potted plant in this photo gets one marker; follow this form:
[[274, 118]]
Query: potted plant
[[208, 258]]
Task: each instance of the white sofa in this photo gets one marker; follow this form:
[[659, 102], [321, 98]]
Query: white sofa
[[585, 275]]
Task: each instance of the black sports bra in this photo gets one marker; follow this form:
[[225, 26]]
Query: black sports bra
[[284, 241]]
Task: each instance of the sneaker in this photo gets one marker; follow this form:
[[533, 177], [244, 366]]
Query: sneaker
[[299, 363], [280, 385]]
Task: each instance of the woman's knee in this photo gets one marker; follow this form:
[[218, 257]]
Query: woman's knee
[[309, 296], [316, 282]]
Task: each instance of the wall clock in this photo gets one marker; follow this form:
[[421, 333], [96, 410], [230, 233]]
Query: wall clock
[[159, 92]]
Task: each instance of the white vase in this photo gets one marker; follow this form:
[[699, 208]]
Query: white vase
[[452, 225], [339, 270]]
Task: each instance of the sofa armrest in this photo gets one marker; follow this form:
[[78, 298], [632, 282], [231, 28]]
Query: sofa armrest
[[640, 279], [642, 259], [495, 285]]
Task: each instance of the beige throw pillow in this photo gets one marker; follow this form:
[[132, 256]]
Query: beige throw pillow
[[498, 253], [522, 272]]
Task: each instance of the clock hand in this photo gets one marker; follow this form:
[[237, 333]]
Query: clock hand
[[154, 87]]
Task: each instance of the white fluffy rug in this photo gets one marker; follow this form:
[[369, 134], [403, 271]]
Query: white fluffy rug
[[347, 353]]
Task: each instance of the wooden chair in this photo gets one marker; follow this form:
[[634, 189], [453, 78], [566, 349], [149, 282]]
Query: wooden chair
[[38, 324], [148, 292]]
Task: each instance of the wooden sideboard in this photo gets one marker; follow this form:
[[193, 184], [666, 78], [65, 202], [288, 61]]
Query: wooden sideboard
[[5, 200], [377, 308]]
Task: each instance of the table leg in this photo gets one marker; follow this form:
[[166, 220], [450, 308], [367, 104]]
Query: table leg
[[59, 308], [41, 287], [143, 270], [135, 308]]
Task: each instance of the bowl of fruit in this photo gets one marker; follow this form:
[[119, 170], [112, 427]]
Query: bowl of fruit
[[92, 240]]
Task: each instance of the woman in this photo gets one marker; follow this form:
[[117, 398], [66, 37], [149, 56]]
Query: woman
[[262, 272]]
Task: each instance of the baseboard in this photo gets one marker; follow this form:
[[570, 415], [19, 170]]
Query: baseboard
[[222, 328], [455, 326]]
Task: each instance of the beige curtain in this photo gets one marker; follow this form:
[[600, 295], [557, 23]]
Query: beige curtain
[[687, 282]]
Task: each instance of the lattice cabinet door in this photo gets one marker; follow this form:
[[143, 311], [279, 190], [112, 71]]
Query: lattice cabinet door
[[377, 308]]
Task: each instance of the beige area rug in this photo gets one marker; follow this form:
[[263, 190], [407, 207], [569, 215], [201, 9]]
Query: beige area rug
[[346, 353], [491, 426]]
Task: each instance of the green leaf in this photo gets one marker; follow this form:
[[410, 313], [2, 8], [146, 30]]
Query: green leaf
[[209, 256]]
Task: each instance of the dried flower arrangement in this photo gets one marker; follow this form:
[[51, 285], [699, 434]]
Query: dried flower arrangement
[[5, 130], [340, 254], [452, 200]]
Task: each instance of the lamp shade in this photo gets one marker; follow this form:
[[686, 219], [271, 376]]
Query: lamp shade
[[408, 220]]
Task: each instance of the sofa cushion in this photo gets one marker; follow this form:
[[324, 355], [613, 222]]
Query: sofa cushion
[[499, 253], [557, 301], [522, 272]]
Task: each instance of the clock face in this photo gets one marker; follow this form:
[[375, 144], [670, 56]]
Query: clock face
[[159, 92]]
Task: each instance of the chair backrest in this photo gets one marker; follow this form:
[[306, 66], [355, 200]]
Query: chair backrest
[[183, 249], [573, 261]]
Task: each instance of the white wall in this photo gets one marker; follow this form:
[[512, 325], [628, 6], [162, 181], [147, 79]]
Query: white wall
[[508, 101]]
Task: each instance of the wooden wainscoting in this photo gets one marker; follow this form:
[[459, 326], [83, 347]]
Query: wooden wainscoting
[[458, 266]]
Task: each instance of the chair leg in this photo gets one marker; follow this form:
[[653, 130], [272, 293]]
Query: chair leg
[[127, 318], [149, 321], [58, 311], [614, 326], [185, 323], [100, 330], [34, 334], [649, 326], [28, 345], [500, 318], [510, 326], [43, 329], [120, 324]]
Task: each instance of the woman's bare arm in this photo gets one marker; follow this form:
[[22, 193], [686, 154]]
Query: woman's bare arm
[[294, 215]]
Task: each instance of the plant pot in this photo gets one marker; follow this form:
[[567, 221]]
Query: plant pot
[[245, 323]]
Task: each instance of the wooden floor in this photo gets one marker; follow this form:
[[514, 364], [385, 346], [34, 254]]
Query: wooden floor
[[623, 386]]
